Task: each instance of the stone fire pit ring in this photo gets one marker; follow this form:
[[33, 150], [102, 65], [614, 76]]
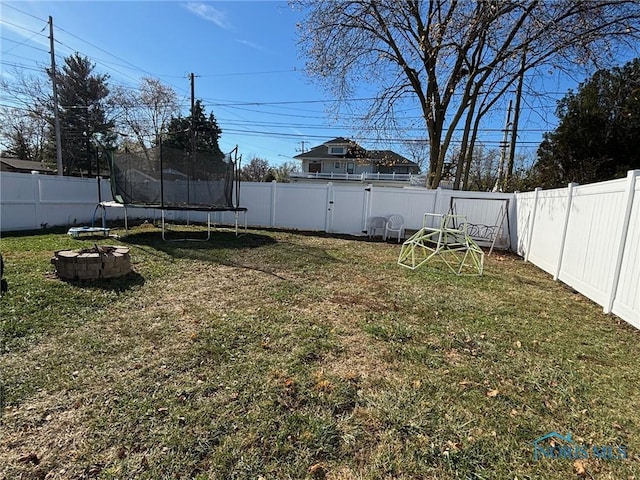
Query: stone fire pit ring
[[96, 263]]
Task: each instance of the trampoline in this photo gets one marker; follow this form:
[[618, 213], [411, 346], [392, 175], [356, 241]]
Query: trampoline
[[168, 179]]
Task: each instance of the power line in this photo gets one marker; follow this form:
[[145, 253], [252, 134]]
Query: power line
[[18, 65], [117, 71], [353, 137], [18, 44], [25, 13], [35, 33], [105, 51], [238, 74]]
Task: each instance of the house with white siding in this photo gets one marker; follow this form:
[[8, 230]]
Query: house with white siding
[[343, 159]]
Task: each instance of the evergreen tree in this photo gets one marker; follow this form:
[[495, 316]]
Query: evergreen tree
[[205, 128], [81, 98], [599, 131]]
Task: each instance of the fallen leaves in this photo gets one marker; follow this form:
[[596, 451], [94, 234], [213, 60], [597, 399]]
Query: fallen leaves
[[317, 470], [324, 385], [454, 446], [580, 469]]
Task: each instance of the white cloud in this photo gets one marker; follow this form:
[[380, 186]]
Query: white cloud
[[209, 13], [253, 45]]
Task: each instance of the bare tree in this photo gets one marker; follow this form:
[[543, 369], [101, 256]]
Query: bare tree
[[23, 123], [282, 173], [483, 169], [145, 113], [443, 54], [418, 152], [24, 133], [256, 170]]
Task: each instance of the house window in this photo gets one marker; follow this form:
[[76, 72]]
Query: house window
[[336, 165], [337, 150], [315, 167]]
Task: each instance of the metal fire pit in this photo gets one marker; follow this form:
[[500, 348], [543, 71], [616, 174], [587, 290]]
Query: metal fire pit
[[104, 261]]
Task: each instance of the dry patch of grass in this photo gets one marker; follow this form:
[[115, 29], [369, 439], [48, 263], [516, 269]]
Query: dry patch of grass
[[282, 355]]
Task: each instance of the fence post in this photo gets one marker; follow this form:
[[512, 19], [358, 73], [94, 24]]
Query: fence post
[[435, 200], [533, 221], [565, 225], [619, 248], [272, 213], [365, 207], [37, 199], [328, 219]]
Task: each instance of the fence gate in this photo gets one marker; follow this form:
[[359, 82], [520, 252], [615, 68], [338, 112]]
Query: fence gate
[[346, 206]]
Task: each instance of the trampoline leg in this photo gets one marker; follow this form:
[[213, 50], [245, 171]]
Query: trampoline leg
[[236, 215], [162, 215], [208, 226]]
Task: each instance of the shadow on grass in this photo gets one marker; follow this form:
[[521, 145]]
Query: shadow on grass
[[35, 233], [117, 285], [177, 242], [253, 251]]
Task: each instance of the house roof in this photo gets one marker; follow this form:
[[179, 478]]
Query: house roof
[[25, 165], [322, 151], [354, 151], [389, 156]]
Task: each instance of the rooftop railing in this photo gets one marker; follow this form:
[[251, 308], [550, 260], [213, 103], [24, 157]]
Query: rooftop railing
[[398, 177]]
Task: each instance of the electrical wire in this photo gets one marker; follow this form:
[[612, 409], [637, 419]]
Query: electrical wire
[[35, 33], [232, 107], [19, 44]]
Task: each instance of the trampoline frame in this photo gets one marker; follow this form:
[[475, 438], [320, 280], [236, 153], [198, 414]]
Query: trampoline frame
[[209, 211], [236, 209]]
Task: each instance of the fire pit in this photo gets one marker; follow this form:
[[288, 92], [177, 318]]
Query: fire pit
[[104, 261]]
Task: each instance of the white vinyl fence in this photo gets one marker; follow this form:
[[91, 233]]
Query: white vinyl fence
[[344, 209], [29, 202], [589, 238], [586, 236]]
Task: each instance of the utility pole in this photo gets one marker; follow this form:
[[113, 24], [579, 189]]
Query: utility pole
[[56, 115], [503, 151], [193, 132], [302, 149], [516, 118]]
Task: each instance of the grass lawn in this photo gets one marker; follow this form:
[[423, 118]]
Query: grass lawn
[[283, 355]]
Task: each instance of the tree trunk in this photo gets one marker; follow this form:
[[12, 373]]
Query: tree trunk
[[464, 147], [469, 157]]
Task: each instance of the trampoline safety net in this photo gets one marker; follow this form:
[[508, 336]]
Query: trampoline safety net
[[170, 178]]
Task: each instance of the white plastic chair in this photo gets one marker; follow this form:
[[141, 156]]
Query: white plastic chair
[[395, 223], [376, 224]]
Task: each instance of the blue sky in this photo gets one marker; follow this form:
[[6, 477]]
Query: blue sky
[[244, 54]]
